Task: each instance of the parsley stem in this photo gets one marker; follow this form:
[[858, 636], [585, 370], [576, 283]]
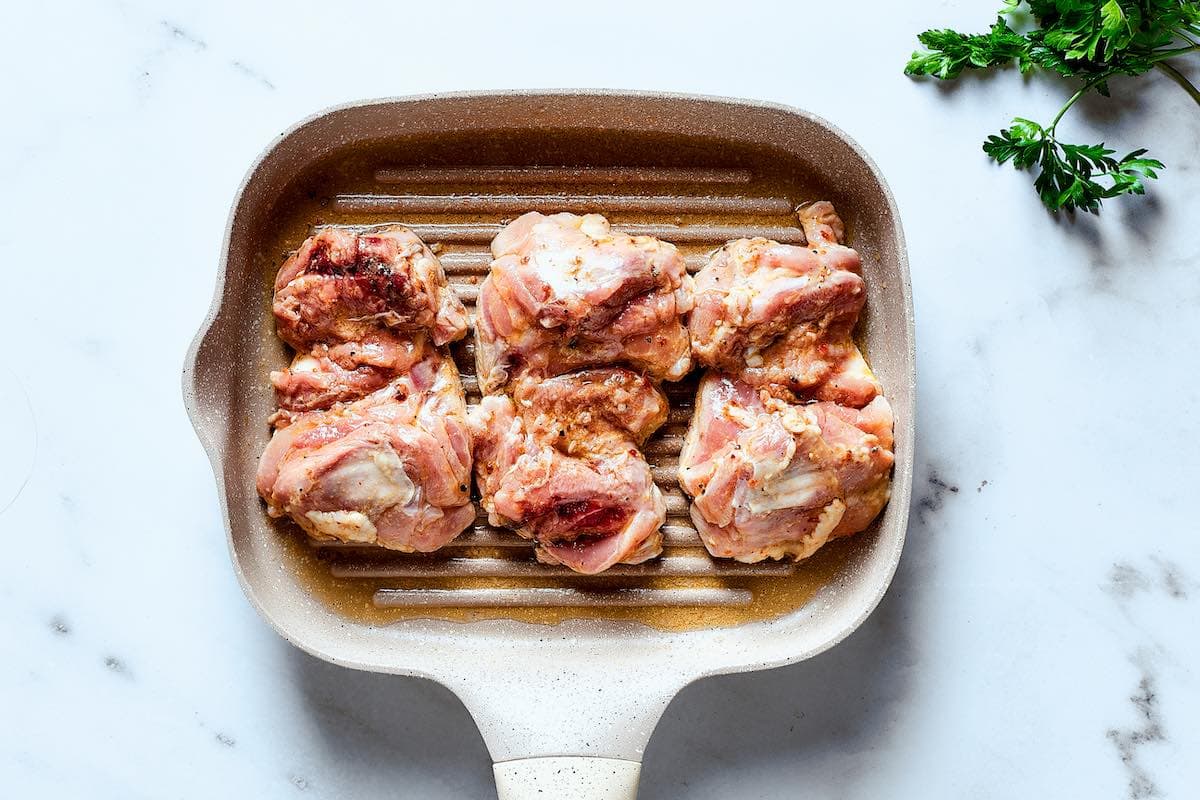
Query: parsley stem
[[1082, 90], [1179, 78]]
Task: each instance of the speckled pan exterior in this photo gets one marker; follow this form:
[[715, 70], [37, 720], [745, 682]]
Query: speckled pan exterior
[[589, 687]]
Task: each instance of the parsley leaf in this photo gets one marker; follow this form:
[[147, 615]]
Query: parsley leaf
[[948, 53], [1090, 41], [1070, 175]]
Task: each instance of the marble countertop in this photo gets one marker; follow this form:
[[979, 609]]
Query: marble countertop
[[1041, 637]]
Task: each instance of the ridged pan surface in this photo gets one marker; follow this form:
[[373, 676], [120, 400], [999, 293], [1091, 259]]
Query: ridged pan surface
[[693, 171]]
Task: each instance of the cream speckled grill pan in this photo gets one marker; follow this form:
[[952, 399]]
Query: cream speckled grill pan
[[565, 709]]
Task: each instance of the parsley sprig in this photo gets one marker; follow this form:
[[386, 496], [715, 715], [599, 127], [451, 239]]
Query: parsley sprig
[[1091, 41]]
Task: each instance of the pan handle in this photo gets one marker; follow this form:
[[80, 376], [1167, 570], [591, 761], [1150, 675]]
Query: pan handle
[[573, 720], [575, 777]]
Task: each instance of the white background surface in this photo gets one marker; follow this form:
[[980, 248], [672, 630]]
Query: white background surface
[[1040, 640]]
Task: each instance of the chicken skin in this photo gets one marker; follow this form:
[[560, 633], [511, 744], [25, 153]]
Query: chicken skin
[[566, 292], [783, 315], [344, 372], [356, 308], [774, 479], [392, 469], [558, 461]]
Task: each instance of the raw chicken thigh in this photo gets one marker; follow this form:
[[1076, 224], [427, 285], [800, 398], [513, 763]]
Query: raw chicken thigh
[[392, 469], [790, 444], [356, 309], [782, 315], [566, 292], [340, 285], [771, 479], [326, 375], [559, 462]]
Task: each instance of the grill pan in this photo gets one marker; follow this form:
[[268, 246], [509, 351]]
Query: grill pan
[[565, 708]]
